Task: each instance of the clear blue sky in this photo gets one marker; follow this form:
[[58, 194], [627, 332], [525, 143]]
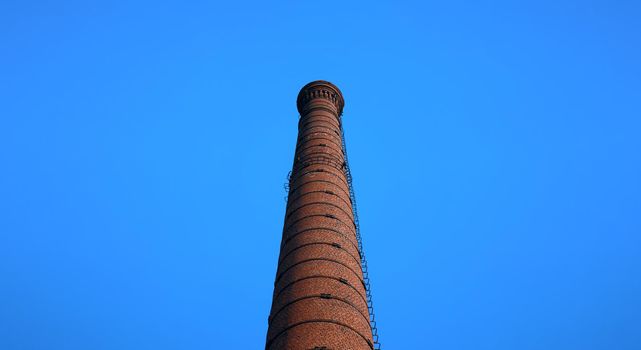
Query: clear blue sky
[[495, 145]]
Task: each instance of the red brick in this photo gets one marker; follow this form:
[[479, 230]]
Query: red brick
[[319, 297]]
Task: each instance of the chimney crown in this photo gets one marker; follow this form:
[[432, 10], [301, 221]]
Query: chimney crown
[[319, 93]]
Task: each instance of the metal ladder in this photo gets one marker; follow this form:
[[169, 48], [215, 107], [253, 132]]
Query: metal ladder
[[368, 291]]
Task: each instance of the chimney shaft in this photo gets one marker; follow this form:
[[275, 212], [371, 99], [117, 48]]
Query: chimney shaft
[[319, 299]]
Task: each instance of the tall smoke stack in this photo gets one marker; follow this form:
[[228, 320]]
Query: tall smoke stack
[[320, 300]]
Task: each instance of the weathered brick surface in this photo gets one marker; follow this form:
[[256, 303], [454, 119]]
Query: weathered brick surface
[[346, 228], [332, 210], [318, 138], [319, 133], [319, 130], [338, 269], [318, 251], [322, 196], [315, 287], [319, 296], [307, 336], [318, 114], [323, 121], [328, 172], [319, 309], [316, 236], [319, 149], [308, 185], [318, 271]]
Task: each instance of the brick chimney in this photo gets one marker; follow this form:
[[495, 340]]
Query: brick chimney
[[319, 300]]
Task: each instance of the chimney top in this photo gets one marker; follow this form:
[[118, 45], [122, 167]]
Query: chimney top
[[320, 89]]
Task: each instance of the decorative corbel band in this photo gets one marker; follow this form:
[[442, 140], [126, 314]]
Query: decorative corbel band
[[320, 89]]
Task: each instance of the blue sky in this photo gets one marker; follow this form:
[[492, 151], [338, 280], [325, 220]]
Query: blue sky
[[495, 147]]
